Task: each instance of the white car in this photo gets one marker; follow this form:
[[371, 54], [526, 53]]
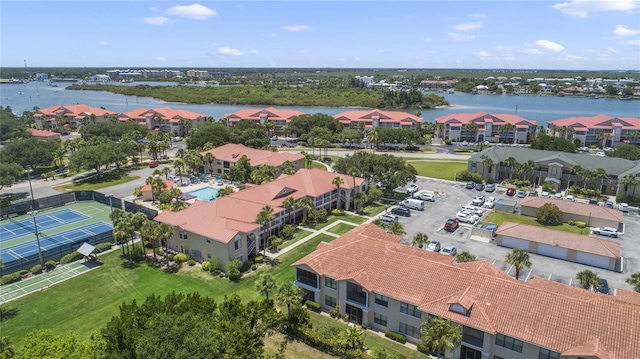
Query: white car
[[466, 217], [388, 218], [490, 203], [478, 200], [624, 207], [413, 188], [600, 154], [605, 231], [570, 198], [474, 210]]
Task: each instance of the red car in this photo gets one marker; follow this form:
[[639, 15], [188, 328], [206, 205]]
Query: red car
[[451, 225], [154, 164], [511, 192]]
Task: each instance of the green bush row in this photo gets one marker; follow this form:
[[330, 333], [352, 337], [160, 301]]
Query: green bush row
[[400, 338], [104, 246], [313, 306], [36, 269], [71, 257], [10, 278]]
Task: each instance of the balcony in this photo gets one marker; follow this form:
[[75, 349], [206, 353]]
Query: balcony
[[357, 295], [539, 173], [306, 278]]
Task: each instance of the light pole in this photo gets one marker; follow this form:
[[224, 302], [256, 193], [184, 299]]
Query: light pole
[[33, 215], [110, 195], [33, 202]]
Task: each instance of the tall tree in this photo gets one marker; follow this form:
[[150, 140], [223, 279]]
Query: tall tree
[[263, 218], [265, 284], [510, 162], [588, 279], [465, 256], [289, 204], [337, 181], [440, 335], [519, 259], [288, 294], [306, 203], [420, 239]]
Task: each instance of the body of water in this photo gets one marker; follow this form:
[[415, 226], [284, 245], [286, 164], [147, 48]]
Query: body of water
[[23, 97]]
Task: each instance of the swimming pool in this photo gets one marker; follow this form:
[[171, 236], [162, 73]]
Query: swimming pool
[[205, 193]]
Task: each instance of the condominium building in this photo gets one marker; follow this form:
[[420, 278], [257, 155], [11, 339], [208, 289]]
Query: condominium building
[[71, 115], [227, 155], [165, 119], [378, 118], [390, 286], [482, 126], [279, 117], [599, 130]]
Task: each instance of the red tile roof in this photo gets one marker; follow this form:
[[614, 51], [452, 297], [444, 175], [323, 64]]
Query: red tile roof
[[480, 118], [497, 303], [628, 296], [168, 183], [270, 114], [44, 133], [76, 111], [232, 152], [578, 242], [383, 116], [598, 122], [165, 113], [575, 208]]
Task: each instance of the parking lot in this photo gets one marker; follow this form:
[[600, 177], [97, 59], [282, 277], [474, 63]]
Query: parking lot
[[454, 195]]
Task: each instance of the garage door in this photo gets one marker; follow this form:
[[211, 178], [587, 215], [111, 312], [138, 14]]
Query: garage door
[[593, 260], [511, 242], [551, 251]]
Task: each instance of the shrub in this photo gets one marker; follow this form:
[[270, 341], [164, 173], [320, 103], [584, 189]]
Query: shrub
[[364, 326], [411, 148], [50, 265], [276, 242], [549, 215], [10, 278], [215, 264], [159, 251], [581, 224], [571, 223], [234, 274], [337, 212], [181, 257], [191, 262], [245, 266], [104, 246], [317, 215], [400, 338], [71, 257], [36, 269], [23, 272], [448, 142], [335, 312], [288, 231], [234, 264], [254, 267], [170, 257], [547, 187], [467, 175], [222, 275], [259, 258], [206, 266], [313, 306]]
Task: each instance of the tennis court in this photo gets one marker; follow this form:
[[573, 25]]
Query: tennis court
[[53, 242], [23, 227]]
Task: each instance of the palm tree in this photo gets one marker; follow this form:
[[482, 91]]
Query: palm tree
[[1, 267], [166, 171], [288, 168], [337, 181], [122, 232], [518, 258], [209, 158], [265, 284], [630, 180], [288, 294], [359, 201], [185, 124], [263, 218], [352, 338], [471, 127], [440, 335], [530, 165], [588, 279], [178, 166], [510, 162], [270, 127], [165, 233], [373, 137], [289, 204], [601, 174], [634, 281], [396, 228], [306, 203], [487, 163], [420, 239], [157, 185], [149, 232], [466, 256]]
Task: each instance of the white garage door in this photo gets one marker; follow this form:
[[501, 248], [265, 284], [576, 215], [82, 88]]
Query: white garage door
[[511, 242], [551, 251], [593, 260]]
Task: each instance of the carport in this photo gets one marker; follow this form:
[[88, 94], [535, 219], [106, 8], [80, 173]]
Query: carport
[[591, 251], [593, 216]]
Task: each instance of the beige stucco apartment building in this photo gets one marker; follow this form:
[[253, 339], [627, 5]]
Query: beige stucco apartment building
[[279, 117], [165, 119], [504, 128], [227, 155], [71, 115], [390, 286], [378, 118]]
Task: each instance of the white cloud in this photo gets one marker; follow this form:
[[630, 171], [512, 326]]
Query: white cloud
[[546, 46], [296, 28], [380, 51], [255, 52], [531, 51], [468, 26], [635, 43], [103, 43], [584, 8], [194, 11], [456, 36], [481, 53], [623, 31], [612, 50], [477, 16], [572, 58], [156, 20], [230, 51], [160, 58]]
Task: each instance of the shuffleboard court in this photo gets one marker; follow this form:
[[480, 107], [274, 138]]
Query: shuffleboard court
[[47, 243], [23, 227]]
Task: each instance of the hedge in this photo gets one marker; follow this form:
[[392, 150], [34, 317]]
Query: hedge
[[400, 338], [71, 257], [36, 269], [10, 278], [181, 257], [104, 246], [313, 306], [50, 265]]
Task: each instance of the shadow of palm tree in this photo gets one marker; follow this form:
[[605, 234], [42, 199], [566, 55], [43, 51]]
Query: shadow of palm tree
[[6, 314]]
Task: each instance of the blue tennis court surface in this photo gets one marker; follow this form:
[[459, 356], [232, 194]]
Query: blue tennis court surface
[[23, 227], [49, 243]]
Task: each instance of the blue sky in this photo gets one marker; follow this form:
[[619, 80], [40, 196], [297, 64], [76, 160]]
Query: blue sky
[[572, 35]]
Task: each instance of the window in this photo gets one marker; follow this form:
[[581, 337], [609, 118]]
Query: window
[[208, 240], [382, 300], [208, 255], [330, 282], [472, 336], [410, 309], [237, 244], [509, 343], [306, 277], [380, 319], [330, 301], [409, 330], [548, 354]]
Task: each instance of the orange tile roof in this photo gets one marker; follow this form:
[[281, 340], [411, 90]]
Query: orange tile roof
[[598, 122], [168, 183], [270, 114], [498, 303], [483, 117], [552, 237], [165, 113], [76, 111], [628, 296], [44, 133], [382, 116], [575, 208], [232, 152]]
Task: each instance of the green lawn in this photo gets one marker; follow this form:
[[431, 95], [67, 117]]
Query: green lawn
[[373, 210], [439, 169], [93, 184], [318, 165], [341, 228], [348, 218], [498, 217], [300, 233]]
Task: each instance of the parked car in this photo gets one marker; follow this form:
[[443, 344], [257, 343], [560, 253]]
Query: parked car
[[490, 203], [413, 188], [413, 203], [383, 186], [558, 195], [624, 207], [425, 197], [465, 218], [490, 188], [475, 210], [451, 224], [605, 231], [450, 250], [478, 200], [593, 201], [608, 204], [471, 185], [480, 187], [521, 194], [173, 177], [603, 287], [433, 246], [154, 164], [388, 218], [511, 191], [401, 211], [601, 154], [570, 198], [177, 139], [533, 193]]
